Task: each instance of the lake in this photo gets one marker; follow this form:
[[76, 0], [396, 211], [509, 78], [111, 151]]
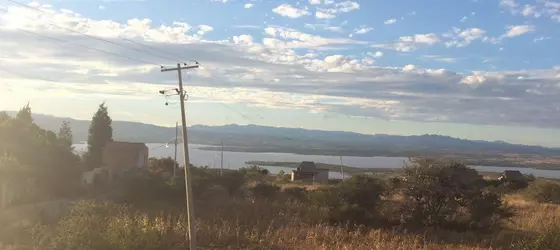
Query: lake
[[236, 160]]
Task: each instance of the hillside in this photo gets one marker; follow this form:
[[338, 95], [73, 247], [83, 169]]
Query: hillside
[[255, 138]]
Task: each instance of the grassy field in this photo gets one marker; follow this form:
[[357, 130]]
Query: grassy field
[[275, 221], [225, 223]]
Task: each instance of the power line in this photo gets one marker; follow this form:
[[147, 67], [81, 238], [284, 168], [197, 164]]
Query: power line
[[223, 104], [231, 87], [101, 39], [86, 47], [25, 76]]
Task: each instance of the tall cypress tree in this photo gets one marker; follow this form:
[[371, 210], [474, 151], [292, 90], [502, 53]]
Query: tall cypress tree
[[100, 132], [65, 135], [24, 115]]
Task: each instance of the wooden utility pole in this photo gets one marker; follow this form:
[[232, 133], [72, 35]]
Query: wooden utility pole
[[341, 168], [175, 163], [188, 185], [222, 164]]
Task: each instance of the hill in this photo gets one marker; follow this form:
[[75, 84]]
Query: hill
[[254, 138]]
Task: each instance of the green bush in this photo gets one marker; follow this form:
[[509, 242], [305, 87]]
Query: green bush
[[283, 177], [145, 188], [296, 193], [232, 181], [265, 190], [544, 191], [92, 226], [254, 172], [355, 201], [486, 210], [446, 193]]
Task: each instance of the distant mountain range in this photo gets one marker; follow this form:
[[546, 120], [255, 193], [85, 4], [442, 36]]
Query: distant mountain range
[[255, 138]]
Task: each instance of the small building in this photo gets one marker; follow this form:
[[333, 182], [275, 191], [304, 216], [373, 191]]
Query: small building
[[308, 171], [512, 176], [118, 158]]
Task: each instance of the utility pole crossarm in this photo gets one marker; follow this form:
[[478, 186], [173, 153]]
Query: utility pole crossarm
[[178, 68]]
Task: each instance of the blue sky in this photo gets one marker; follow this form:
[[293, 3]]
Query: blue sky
[[485, 69]]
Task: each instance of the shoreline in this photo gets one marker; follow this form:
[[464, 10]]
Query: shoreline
[[468, 161]]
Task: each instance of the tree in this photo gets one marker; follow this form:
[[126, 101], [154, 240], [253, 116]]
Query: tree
[[355, 201], [40, 155], [439, 193], [24, 114], [100, 132], [158, 165], [65, 135]]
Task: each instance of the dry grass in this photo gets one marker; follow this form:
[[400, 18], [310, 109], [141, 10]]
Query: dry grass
[[225, 223], [532, 216], [264, 225]]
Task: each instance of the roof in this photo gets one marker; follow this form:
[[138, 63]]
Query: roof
[[513, 175], [307, 166]]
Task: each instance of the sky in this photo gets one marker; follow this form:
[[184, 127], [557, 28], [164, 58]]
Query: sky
[[473, 69]]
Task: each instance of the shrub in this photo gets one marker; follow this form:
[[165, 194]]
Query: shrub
[[232, 181], [446, 193], [487, 210], [92, 226], [354, 201], [265, 190], [282, 176], [161, 165], [144, 187], [254, 172], [296, 193], [544, 191], [513, 186]]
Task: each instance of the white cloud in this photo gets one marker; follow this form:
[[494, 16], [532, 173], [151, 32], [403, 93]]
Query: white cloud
[[547, 8], [378, 54], [248, 5], [461, 38], [464, 19], [243, 39], [390, 21], [363, 30], [289, 11], [541, 38], [203, 29], [253, 73], [332, 8], [530, 10], [324, 15], [518, 30], [334, 28], [409, 68], [102, 7], [439, 58], [314, 2], [247, 26], [475, 78], [410, 43], [508, 3], [283, 38]]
